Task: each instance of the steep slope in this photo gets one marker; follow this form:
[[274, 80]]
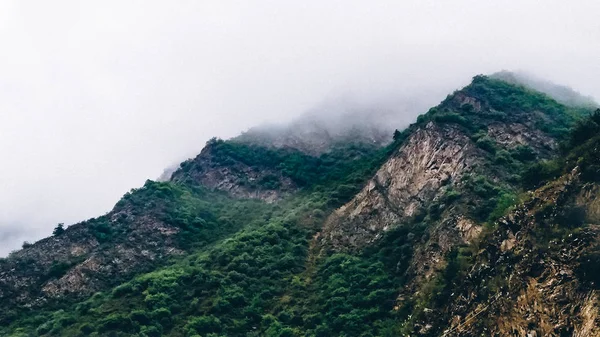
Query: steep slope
[[536, 272], [208, 198], [145, 228], [360, 240], [430, 159], [528, 278], [218, 168], [458, 168], [270, 174]]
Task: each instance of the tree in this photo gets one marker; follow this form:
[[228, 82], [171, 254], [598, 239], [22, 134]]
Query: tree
[[397, 134], [59, 229]]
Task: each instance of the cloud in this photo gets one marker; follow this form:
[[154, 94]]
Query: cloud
[[96, 97]]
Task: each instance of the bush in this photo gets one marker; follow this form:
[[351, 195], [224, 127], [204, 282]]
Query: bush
[[503, 157], [115, 322], [452, 117], [151, 331], [571, 216], [203, 325], [58, 270], [488, 144], [523, 153], [86, 328], [122, 290], [541, 172], [140, 316], [59, 229], [505, 202]]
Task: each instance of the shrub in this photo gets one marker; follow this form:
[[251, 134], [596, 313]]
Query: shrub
[[571, 216], [523, 153], [203, 325], [59, 229], [451, 117], [86, 328], [58, 269], [503, 157], [115, 322], [123, 289], [488, 144], [140, 316], [505, 202], [537, 173], [151, 331]]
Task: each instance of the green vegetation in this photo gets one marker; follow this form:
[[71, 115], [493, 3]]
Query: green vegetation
[[507, 103], [257, 282], [59, 229], [580, 150], [252, 268], [227, 288], [344, 167]]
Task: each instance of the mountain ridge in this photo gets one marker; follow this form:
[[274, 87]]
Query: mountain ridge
[[360, 239]]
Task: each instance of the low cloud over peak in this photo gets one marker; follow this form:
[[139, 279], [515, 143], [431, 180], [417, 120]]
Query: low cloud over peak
[[95, 98]]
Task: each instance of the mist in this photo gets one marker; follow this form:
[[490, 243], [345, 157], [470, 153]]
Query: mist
[[95, 98]]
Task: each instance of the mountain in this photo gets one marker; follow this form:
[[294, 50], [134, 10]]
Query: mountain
[[481, 218], [560, 93], [338, 122]]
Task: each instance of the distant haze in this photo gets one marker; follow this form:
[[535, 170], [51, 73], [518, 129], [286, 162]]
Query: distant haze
[[96, 97]]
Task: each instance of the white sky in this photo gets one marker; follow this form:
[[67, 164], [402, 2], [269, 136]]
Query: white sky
[[97, 96]]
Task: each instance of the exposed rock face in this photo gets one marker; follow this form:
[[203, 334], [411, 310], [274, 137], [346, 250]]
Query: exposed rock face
[[538, 292], [437, 158], [234, 177], [433, 157], [82, 264], [519, 283], [514, 134]]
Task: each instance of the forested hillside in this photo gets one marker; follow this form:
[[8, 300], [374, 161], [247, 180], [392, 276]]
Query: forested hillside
[[481, 218]]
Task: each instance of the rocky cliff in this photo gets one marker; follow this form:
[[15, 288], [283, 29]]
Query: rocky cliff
[[462, 154], [429, 163], [91, 255], [216, 169], [528, 278], [481, 218]]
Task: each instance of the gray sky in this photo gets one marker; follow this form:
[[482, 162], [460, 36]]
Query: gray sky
[[96, 97]]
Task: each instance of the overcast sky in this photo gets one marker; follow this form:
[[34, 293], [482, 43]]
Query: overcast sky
[[97, 96]]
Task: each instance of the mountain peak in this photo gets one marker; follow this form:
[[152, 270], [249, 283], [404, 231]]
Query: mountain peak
[[309, 230], [562, 94]]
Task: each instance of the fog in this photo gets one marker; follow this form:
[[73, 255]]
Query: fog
[[96, 97]]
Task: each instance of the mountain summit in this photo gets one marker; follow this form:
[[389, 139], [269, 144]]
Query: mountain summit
[[480, 218]]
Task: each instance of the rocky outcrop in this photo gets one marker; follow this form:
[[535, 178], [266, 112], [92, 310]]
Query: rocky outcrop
[[443, 179], [234, 177], [512, 135], [432, 160], [76, 264], [521, 285], [436, 178]]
